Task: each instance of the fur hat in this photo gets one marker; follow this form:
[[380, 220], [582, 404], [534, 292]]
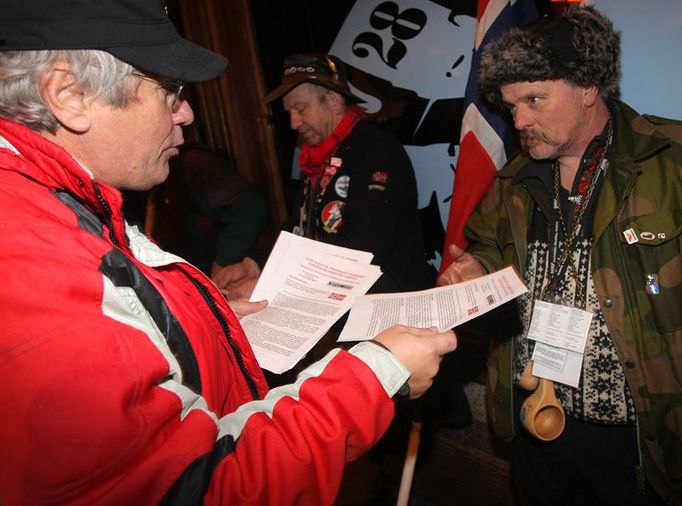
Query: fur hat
[[580, 47]]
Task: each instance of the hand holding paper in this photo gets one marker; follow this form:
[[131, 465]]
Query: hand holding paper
[[421, 352], [464, 267], [443, 308], [236, 281], [309, 285]]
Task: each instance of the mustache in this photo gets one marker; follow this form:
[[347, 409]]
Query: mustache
[[527, 135]]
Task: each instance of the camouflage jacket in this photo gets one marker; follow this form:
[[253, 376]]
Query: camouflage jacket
[[641, 193]]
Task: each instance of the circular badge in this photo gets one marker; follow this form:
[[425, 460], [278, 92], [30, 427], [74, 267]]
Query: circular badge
[[331, 216], [341, 186]]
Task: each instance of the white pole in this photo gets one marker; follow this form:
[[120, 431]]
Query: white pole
[[410, 461]]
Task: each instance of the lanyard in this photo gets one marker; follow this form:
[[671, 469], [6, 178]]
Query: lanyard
[[560, 266]]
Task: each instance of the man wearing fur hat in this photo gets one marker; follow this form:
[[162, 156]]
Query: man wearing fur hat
[[589, 214]]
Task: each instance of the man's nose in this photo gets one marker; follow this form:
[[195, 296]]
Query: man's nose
[[521, 119], [184, 115], [294, 120]]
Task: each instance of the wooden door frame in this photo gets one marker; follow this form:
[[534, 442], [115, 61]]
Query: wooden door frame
[[233, 116]]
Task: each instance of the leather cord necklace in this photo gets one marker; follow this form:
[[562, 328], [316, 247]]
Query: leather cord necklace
[[586, 188]]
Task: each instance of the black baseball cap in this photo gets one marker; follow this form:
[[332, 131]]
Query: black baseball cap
[[135, 31], [321, 69]]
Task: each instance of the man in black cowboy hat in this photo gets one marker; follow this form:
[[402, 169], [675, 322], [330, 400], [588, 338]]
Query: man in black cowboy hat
[[359, 190], [126, 378], [589, 214]]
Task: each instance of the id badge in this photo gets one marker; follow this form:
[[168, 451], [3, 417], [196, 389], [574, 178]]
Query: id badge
[[561, 332]]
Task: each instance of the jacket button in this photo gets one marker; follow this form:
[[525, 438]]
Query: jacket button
[[608, 303], [651, 436], [630, 364]]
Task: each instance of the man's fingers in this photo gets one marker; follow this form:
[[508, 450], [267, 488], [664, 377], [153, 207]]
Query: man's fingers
[[445, 342], [243, 307], [446, 278], [422, 332]]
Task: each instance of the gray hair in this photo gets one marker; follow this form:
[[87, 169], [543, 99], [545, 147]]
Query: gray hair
[[97, 72], [581, 47]]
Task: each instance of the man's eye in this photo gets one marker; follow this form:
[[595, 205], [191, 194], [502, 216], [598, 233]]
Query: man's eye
[[533, 100]]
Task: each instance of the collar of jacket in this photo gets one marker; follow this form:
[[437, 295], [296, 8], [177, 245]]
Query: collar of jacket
[[37, 158], [636, 139]]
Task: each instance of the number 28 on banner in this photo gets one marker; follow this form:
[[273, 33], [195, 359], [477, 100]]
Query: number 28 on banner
[[416, 45], [402, 25]]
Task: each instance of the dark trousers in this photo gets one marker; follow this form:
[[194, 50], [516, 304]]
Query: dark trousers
[[589, 464]]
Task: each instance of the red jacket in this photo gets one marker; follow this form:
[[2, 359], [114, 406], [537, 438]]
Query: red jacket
[[122, 367]]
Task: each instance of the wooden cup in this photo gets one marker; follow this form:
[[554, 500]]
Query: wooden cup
[[541, 413]]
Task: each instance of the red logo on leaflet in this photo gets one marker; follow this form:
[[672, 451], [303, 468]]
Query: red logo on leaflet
[[472, 310], [336, 296], [380, 176]]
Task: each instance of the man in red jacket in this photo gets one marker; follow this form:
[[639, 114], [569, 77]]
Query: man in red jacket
[[126, 378]]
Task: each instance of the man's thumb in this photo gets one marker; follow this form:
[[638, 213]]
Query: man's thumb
[[455, 251]]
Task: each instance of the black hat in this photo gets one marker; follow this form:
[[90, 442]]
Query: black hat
[[135, 31], [321, 69]]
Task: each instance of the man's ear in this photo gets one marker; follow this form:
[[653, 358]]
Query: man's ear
[[590, 94], [337, 102], [68, 103]]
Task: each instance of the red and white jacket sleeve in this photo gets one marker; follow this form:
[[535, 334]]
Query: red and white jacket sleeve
[[291, 446]]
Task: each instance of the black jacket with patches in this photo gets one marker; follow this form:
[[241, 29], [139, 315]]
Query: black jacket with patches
[[369, 204]]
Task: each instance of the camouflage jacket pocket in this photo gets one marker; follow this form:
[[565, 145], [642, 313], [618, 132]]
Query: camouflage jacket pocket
[[653, 247]]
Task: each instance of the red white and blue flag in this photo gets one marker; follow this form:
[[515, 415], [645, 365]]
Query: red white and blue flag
[[486, 137]]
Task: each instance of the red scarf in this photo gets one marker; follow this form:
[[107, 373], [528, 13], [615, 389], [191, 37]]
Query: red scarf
[[312, 158]]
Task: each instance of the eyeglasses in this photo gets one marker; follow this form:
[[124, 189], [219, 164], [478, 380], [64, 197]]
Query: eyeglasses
[[173, 89]]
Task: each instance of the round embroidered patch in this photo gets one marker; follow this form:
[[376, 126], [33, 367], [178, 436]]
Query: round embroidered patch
[[331, 216], [341, 186]]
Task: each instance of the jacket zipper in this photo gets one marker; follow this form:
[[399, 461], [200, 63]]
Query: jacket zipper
[[226, 330], [108, 215]]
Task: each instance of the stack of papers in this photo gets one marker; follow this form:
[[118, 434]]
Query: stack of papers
[[309, 285]]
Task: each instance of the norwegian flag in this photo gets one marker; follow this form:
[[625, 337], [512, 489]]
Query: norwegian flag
[[486, 138]]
